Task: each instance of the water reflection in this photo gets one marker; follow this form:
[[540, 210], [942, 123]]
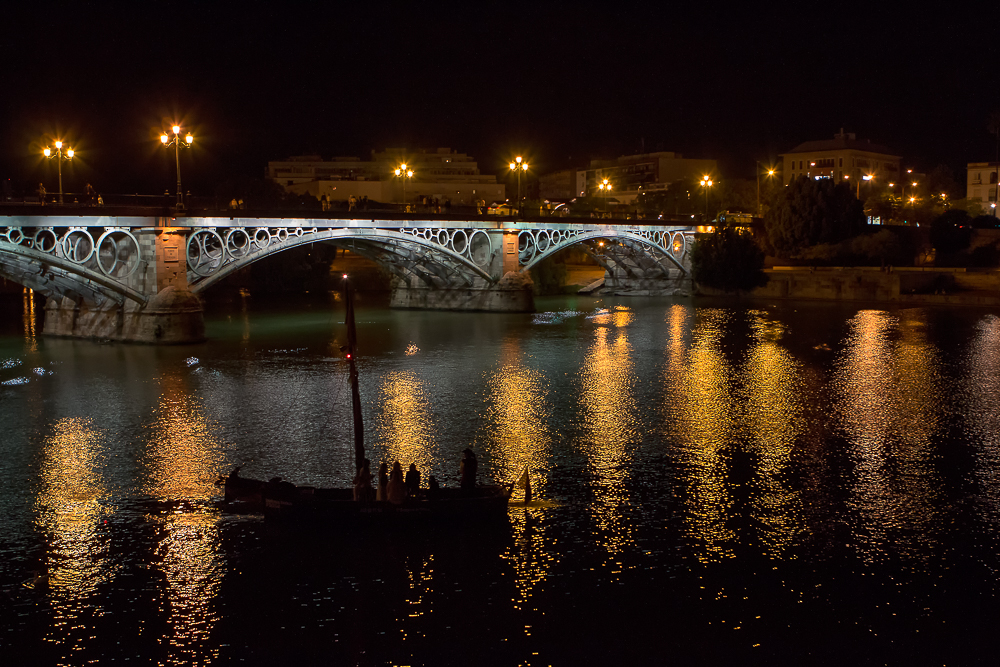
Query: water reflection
[[516, 418], [890, 383], [404, 423], [69, 512], [983, 412], [701, 418], [29, 318], [183, 462], [774, 419], [609, 424]]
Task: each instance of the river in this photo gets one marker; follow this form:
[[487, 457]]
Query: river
[[717, 481]]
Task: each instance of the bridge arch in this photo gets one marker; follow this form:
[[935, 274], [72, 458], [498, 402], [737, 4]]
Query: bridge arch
[[70, 262], [436, 257], [535, 246]]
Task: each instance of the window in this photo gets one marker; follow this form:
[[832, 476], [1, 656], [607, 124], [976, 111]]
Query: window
[[993, 178], [841, 162], [800, 164]]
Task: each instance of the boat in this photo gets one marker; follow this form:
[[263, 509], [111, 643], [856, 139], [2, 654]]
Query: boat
[[284, 502]]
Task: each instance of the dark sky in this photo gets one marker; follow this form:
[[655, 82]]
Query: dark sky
[[560, 83]]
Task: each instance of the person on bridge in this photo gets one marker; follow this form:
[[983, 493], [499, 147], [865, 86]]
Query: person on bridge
[[413, 481], [363, 490], [396, 493], [383, 480], [467, 470], [41, 193]]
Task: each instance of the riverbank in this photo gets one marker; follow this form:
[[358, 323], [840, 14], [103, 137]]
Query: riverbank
[[908, 285]]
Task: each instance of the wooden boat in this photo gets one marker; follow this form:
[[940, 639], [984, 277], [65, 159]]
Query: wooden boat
[[282, 501]]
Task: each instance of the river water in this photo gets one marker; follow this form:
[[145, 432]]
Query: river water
[[793, 483]]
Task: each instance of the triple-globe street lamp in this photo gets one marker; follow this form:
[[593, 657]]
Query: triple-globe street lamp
[[519, 165], [403, 173], [605, 188], [706, 183], [59, 156], [176, 142]]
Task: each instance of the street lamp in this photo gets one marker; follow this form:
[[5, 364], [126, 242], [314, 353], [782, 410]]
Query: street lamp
[[770, 173], [177, 143], [866, 177], [706, 183], [605, 187], [519, 165], [403, 173], [59, 156]]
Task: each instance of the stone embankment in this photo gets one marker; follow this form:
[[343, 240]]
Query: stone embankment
[[908, 285]]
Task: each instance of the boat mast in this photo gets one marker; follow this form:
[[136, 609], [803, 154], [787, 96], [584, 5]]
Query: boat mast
[[352, 339]]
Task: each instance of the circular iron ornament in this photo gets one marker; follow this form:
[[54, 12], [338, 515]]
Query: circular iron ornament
[[282, 235], [678, 244], [525, 246], [78, 245], [117, 253], [45, 240], [238, 243], [261, 238], [15, 235], [542, 240], [480, 248], [442, 237], [459, 241], [205, 252]]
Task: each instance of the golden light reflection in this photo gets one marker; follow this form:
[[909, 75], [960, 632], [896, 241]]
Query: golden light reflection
[[773, 386], [889, 378], [532, 554], [69, 513], [183, 461], [983, 392], [518, 437], [701, 419], [609, 424], [404, 423], [29, 318]]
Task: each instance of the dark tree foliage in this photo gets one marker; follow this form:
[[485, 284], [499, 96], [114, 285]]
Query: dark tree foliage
[[810, 212], [985, 222], [255, 193], [951, 232], [728, 260]]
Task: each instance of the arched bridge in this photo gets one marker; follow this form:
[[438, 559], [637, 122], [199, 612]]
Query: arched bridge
[[109, 262]]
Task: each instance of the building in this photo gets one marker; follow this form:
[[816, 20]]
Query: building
[[841, 158], [981, 184], [628, 175], [441, 174]]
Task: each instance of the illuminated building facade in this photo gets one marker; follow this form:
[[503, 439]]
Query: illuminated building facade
[[437, 174], [842, 158], [981, 183]]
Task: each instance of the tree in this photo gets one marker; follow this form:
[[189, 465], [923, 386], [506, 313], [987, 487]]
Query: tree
[[813, 211], [951, 232], [728, 260], [738, 195]]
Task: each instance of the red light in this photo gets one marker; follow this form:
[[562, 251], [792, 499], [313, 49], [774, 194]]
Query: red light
[[348, 355]]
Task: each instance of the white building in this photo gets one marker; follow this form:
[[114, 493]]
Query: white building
[[841, 158], [981, 184], [441, 174]]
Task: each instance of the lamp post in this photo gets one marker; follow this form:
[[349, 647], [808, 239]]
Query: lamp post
[[519, 165], [59, 156], [866, 177], [605, 187], [403, 173], [770, 173], [706, 183], [177, 143]]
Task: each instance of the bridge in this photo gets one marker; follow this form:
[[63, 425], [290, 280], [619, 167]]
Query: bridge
[[138, 277]]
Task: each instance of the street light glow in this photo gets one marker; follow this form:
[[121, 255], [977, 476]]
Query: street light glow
[[164, 138], [189, 139], [176, 129], [58, 144], [70, 152], [47, 153]]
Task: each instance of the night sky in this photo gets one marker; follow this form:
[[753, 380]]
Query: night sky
[[560, 84]]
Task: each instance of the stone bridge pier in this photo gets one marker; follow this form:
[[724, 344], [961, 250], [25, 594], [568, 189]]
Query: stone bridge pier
[[139, 278]]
